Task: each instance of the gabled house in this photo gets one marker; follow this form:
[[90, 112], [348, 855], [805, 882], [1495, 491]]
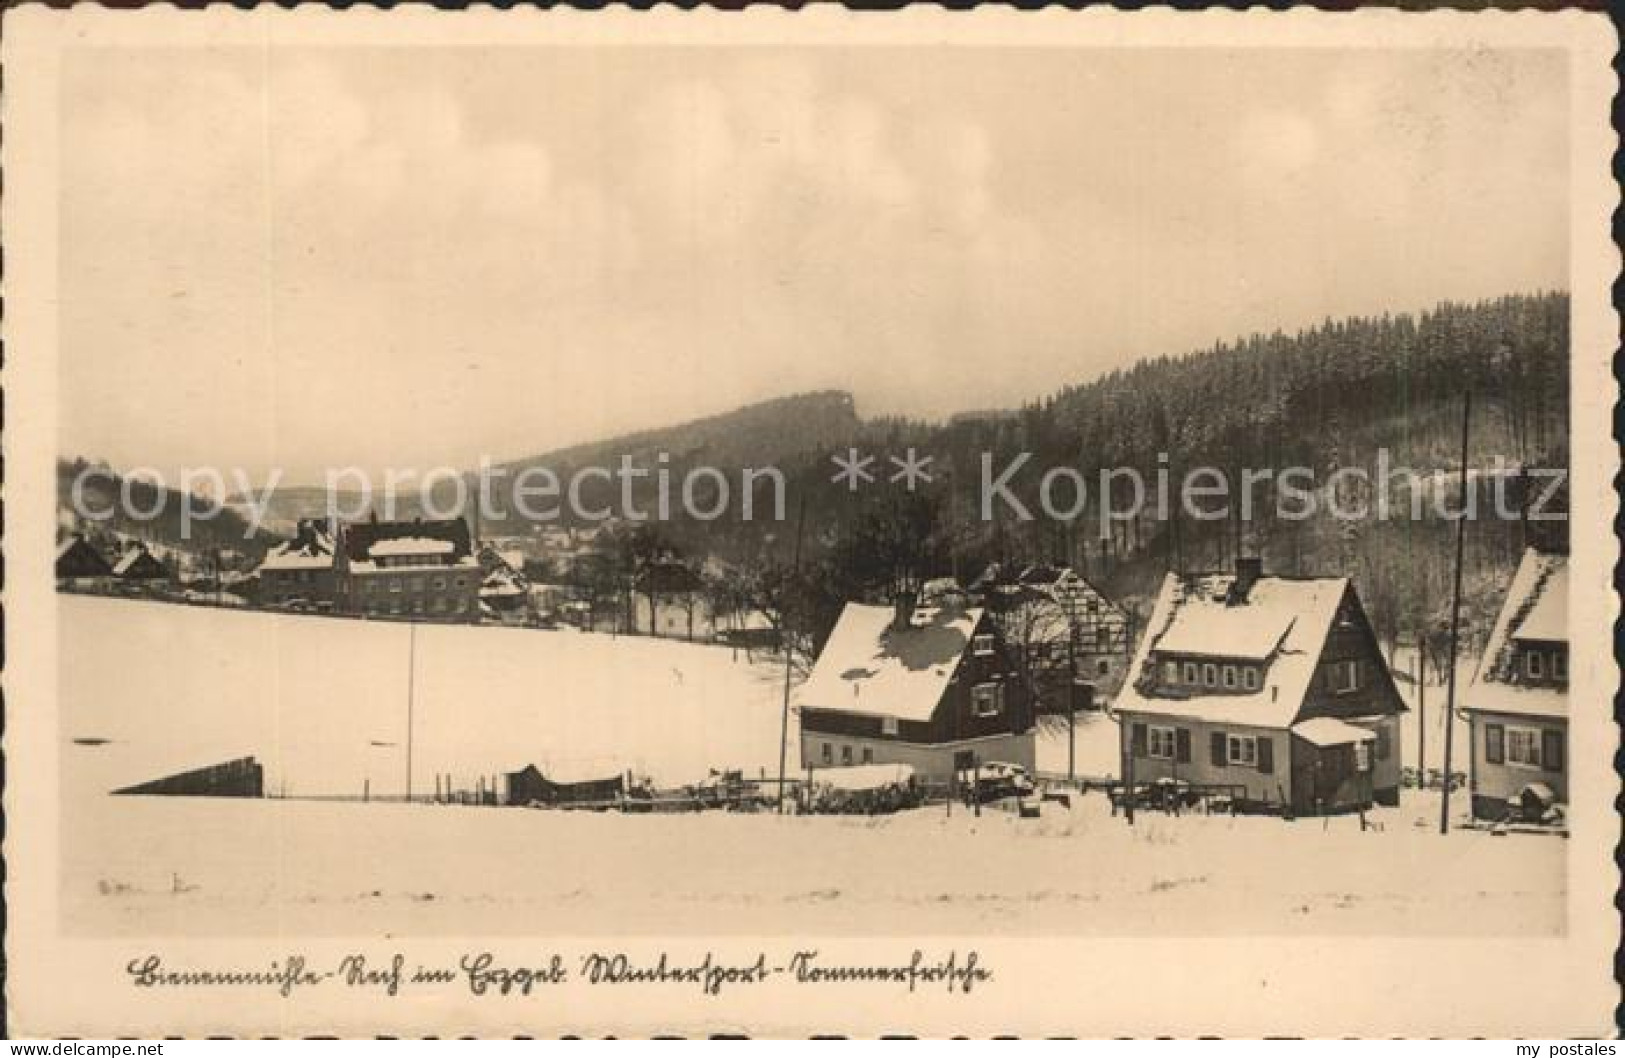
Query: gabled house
[[138, 566], [1066, 629], [302, 571], [932, 686], [1274, 686], [80, 565], [422, 569], [1518, 704]]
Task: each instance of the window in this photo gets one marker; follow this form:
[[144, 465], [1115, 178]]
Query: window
[[395, 607], [1560, 665], [462, 606], [439, 583], [1103, 667], [1230, 676], [1523, 747], [987, 699], [1170, 671], [1345, 676], [1190, 672], [888, 725], [417, 583], [1242, 750], [1249, 678], [868, 755], [439, 605], [417, 605], [1362, 756], [1210, 675], [394, 584], [846, 755], [982, 645], [1161, 743], [828, 754], [1534, 664], [461, 582]]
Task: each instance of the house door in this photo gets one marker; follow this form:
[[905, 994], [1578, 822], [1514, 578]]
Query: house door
[[1340, 783]]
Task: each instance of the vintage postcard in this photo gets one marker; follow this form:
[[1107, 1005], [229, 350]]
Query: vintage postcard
[[1054, 523]]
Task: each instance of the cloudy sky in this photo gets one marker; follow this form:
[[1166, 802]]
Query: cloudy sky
[[413, 258]]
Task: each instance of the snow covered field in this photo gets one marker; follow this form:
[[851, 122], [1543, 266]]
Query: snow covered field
[[321, 702], [200, 867]]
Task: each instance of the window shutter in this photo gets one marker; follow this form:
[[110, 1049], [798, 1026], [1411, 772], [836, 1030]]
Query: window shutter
[[1266, 754], [1551, 750], [1136, 740], [1182, 745], [1495, 744], [1220, 758]]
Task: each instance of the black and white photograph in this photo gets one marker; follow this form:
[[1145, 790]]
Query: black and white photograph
[[723, 521]]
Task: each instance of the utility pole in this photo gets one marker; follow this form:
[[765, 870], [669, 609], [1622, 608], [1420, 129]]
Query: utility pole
[[1421, 713], [411, 689], [1455, 616], [785, 645], [1071, 688]]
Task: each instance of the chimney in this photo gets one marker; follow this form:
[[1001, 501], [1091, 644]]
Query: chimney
[[1248, 570], [903, 619]]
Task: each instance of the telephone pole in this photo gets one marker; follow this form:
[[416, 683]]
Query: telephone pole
[[411, 689], [1455, 616], [785, 645]]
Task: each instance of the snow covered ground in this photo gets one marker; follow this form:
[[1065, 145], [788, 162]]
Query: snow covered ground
[[322, 703], [194, 866]]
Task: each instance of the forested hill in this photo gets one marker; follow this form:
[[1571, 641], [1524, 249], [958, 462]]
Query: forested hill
[[1331, 397]]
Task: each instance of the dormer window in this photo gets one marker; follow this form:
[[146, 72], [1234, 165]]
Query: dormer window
[[1249, 678], [1210, 675], [1230, 677], [1191, 673], [1534, 664], [1560, 665], [1170, 671], [982, 646], [1345, 676]]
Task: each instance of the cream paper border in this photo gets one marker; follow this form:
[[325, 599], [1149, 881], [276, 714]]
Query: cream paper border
[[1339, 986]]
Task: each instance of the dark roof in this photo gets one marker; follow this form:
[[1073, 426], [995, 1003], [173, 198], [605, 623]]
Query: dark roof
[[360, 536], [76, 558]]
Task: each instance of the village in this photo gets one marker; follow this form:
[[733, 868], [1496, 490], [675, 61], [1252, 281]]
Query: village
[[1024, 691]]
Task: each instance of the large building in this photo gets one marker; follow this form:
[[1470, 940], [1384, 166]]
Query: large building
[[1518, 705], [930, 686], [418, 569], [301, 572], [1271, 686]]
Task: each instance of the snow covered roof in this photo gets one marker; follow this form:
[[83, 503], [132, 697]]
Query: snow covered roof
[[869, 667], [1282, 625], [410, 545], [1535, 609], [133, 561], [363, 540], [501, 583], [1330, 731]]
